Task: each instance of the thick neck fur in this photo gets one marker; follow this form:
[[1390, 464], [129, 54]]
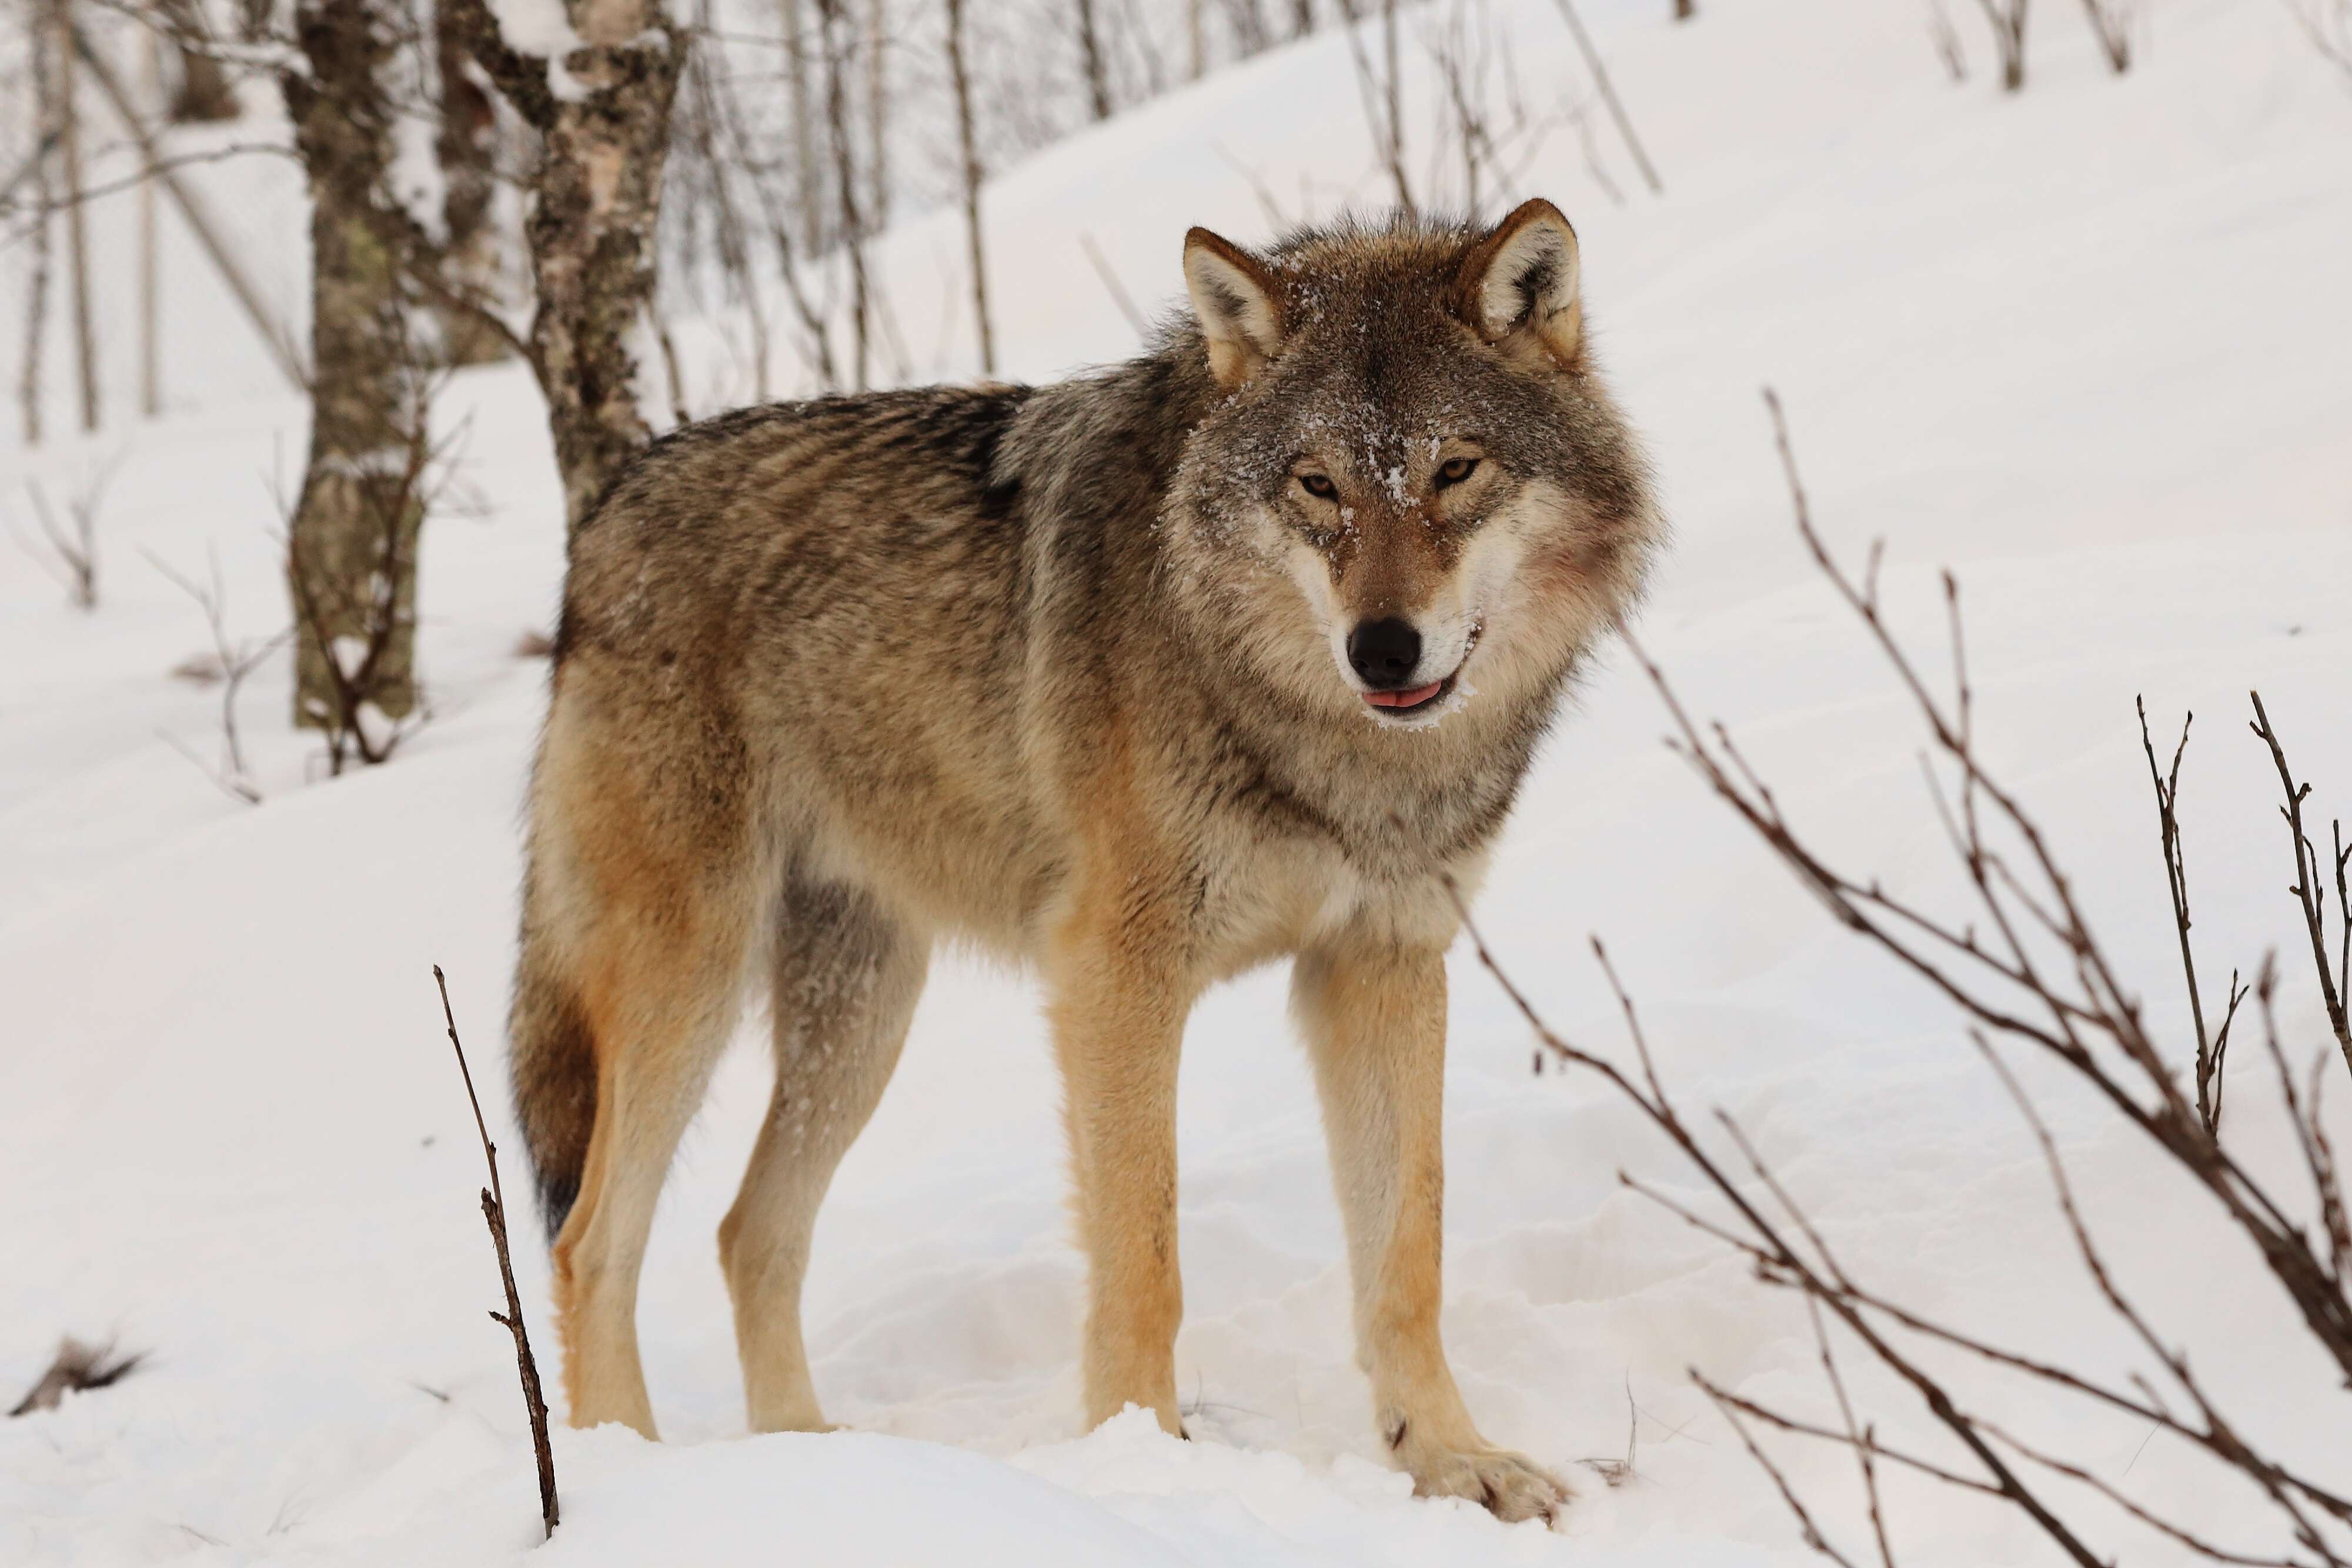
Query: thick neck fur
[[1244, 688]]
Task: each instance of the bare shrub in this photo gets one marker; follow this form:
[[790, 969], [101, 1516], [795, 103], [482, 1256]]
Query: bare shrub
[[231, 660], [1608, 91], [2022, 968], [67, 550], [2111, 22], [2006, 18], [1946, 40]]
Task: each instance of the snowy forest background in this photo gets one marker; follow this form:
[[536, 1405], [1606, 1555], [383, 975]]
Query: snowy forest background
[[2021, 1237]]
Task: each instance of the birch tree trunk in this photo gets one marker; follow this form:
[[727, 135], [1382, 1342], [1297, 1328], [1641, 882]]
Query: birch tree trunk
[[596, 193], [351, 545], [465, 144]]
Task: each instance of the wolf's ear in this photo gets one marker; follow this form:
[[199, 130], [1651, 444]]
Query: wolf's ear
[[1519, 283], [1238, 302]]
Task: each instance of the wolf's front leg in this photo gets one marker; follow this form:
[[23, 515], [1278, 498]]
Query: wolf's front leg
[[1374, 1017], [1120, 997]]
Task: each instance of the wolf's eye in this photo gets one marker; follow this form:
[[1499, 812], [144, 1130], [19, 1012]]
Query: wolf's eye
[[1454, 471], [1319, 487]]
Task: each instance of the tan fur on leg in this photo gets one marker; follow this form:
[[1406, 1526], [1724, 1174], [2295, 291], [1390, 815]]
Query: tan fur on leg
[[847, 979], [647, 927], [1120, 998], [1375, 1021]]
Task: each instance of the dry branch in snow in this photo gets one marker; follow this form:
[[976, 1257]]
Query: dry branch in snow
[[494, 1211], [2212, 1049], [233, 659], [78, 1366], [69, 552]]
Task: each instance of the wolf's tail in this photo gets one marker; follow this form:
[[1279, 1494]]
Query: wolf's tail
[[553, 1061]]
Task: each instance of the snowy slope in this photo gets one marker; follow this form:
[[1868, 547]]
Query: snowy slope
[[2086, 346]]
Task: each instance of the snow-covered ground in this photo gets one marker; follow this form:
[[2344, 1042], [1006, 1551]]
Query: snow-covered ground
[[2086, 346]]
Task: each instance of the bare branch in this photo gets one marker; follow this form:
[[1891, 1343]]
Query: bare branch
[[494, 1211]]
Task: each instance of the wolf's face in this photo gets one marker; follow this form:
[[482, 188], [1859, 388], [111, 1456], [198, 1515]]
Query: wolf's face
[[1415, 495]]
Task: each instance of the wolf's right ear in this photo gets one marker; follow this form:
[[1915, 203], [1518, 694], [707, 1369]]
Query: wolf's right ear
[[1518, 286], [1238, 300]]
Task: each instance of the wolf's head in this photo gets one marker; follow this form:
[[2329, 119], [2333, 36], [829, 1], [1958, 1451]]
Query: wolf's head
[[1415, 493]]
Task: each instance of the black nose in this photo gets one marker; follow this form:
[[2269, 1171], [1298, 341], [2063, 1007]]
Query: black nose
[[1384, 652]]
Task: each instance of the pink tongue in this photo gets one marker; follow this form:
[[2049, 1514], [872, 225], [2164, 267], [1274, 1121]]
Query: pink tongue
[[1411, 698]]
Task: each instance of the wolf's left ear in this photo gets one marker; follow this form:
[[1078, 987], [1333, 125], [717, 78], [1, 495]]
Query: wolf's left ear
[[1518, 285], [1239, 302]]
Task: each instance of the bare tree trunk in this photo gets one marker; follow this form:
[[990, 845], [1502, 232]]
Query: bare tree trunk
[[1302, 17], [41, 41], [1685, 9], [596, 196], [77, 229], [1196, 35], [877, 120], [698, 122], [150, 369], [241, 287], [845, 175], [961, 77], [465, 145], [1090, 55], [355, 527], [1250, 31], [808, 167]]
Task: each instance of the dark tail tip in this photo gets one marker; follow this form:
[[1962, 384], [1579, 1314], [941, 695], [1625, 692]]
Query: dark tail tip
[[554, 1066], [558, 1191]]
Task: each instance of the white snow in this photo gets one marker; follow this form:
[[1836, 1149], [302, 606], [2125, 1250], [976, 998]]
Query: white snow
[[2086, 346]]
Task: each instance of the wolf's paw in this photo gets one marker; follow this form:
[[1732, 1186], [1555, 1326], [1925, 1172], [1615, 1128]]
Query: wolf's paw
[[1510, 1486]]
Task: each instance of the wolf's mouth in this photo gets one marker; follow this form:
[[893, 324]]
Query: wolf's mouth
[[1412, 700]]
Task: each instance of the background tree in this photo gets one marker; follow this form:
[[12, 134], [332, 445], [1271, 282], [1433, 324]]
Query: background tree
[[352, 542], [595, 195]]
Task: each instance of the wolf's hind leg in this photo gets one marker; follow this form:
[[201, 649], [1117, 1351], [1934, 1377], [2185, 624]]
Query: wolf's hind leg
[[661, 986], [847, 974], [640, 907], [1374, 1017]]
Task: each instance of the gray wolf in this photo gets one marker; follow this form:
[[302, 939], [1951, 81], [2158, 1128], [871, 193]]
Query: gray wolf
[[1230, 654]]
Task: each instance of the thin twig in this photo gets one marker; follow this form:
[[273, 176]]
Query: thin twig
[[1117, 292], [494, 1211]]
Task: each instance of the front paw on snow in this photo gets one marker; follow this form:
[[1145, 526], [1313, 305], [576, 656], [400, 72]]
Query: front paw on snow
[[1510, 1486]]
